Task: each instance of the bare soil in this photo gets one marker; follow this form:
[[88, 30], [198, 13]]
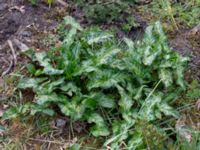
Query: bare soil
[[28, 24], [187, 43]]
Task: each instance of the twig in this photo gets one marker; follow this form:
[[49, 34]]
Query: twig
[[62, 3], [6, 61], [49, 145], [150, 94], [13, 52], [8, 70], [46, 141], [19, 8], [23, 47]]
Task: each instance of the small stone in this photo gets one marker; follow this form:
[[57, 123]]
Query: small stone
[[60, 123], [26, 33]]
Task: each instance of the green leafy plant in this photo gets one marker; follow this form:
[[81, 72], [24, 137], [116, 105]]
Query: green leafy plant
[[113, 85], [130, 23], [33, 2], [187, 12], [175, 13], [104, 10], [193, 90]]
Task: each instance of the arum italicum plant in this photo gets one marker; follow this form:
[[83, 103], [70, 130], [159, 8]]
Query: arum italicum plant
[[113, 85]]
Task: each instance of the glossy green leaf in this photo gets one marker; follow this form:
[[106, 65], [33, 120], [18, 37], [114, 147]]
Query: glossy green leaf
[[166, 77], [74, 147], [97, 37], [11, 113], [71, 21], [45, 62], [98, 130], [30, 83], [168, 110], [50, 98]]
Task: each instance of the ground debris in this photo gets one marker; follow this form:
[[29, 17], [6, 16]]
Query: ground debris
[[23, 47], [19, 8]]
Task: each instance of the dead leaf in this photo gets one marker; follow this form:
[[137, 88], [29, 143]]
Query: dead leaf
[[1, 112], [195, 30], [23, 47], [182, 130], [198, 104], [21, 9], [63, 3]]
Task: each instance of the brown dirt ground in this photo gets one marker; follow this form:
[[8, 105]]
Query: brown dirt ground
[[30, 27], [187, 44]]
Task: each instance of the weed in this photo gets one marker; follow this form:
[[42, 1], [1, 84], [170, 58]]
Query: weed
[[113, 85], [102, 11], [108, 12], [194, 90], [35, 2], [175, 14], [130, 23]]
